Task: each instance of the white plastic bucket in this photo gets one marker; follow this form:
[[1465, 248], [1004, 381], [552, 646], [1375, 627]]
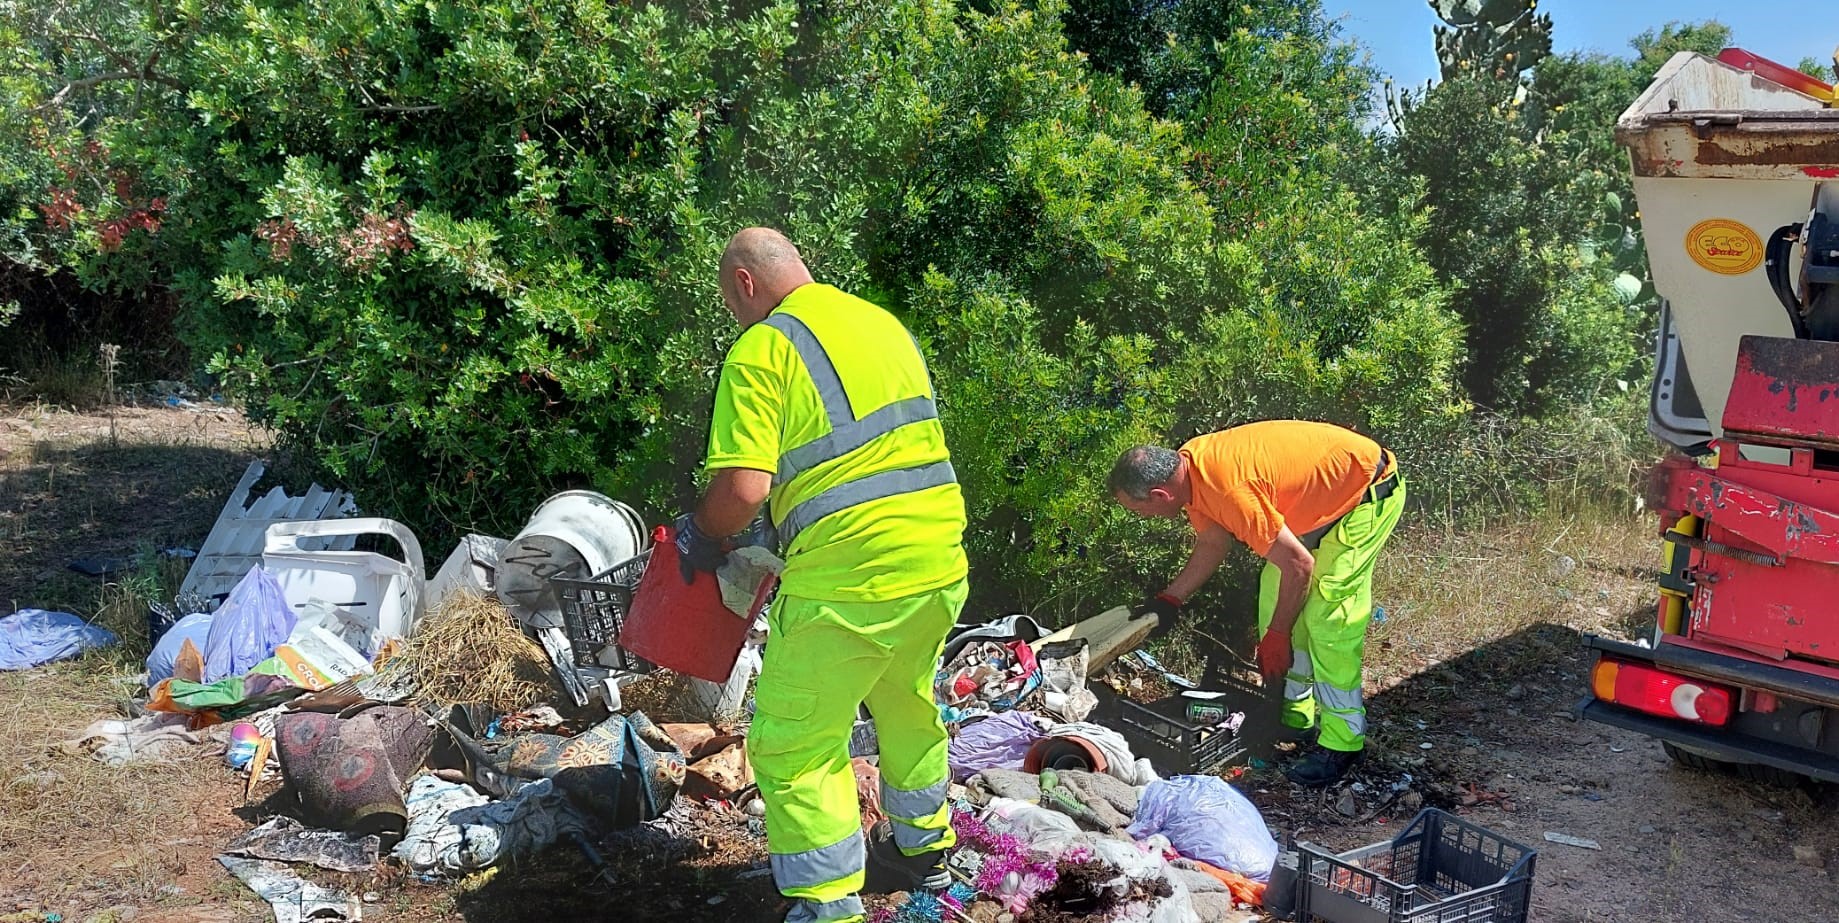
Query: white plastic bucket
[[575, 534]]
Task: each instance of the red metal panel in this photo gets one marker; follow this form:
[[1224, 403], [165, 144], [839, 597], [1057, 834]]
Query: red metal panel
[[1766, 567], [1782, 527], [1786, 390]]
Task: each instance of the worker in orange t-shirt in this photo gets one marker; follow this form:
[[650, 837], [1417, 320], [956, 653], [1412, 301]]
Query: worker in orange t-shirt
[[1317, 502]]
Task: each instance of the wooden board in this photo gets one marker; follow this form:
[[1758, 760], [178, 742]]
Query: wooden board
[[1108, 635]]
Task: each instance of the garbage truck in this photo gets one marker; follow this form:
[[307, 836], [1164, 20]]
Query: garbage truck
[[1736, 176]]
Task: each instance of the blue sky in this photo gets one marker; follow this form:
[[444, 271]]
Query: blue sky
[[1397, 32]]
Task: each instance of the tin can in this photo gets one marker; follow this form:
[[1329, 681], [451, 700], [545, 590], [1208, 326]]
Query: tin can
[[1206, 713]]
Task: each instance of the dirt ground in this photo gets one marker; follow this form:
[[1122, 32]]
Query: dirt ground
[[1478, 658]]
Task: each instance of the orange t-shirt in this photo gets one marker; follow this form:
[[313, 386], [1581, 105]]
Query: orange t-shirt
[[1253, 480]]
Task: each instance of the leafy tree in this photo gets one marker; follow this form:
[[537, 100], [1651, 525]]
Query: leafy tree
[[1575, 100], [462, 254]]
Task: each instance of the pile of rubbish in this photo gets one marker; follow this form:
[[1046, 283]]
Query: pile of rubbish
[[514, 702]]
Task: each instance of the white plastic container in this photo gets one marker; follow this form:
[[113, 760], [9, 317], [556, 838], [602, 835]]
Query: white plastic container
[[378, 592], [575, 534]]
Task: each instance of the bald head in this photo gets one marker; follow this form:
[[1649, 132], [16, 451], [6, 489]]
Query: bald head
[[758, 269]]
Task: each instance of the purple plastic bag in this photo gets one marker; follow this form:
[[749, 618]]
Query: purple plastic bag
[[1204, 818], [253, 621], [30, 637], [997, 742]]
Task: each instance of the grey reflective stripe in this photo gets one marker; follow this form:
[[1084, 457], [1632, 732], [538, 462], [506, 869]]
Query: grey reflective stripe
[[816, 867], [914, 804], [1299, 683], [1344, 705], [860, 491], [1296, 690], [809, 911], [848, 437], [817, 365], [909, 837]]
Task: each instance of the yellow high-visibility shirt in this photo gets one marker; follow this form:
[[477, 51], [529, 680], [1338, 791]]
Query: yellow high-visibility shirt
[[771, 415]]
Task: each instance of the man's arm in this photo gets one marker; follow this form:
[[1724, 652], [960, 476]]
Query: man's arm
[[1295, 568], [732, 500], [1210, 546]]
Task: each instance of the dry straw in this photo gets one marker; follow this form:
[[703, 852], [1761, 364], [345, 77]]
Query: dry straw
[[471, 649]]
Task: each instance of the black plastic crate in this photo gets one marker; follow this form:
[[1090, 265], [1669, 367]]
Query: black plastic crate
[[594, 610], [1175, 742], [1441, 869]]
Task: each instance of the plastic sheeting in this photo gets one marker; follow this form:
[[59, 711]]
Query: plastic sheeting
[[1204, 818], [31, 637], [997, 742]]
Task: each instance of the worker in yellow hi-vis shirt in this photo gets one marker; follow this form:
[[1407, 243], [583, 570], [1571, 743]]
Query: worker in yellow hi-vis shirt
[[824, 411]]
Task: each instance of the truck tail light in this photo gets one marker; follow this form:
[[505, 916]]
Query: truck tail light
[[1658, 692]]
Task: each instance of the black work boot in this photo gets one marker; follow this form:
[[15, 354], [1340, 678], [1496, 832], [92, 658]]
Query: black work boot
[[1322, 766], [889, 870]]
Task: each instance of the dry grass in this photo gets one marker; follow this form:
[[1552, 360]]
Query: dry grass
[[472, 650], [77, 833], [1450, 591]]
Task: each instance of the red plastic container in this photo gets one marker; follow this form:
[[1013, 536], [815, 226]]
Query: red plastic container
[[686, 629]]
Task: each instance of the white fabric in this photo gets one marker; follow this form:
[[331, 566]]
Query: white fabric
[[154, 736], [454, 829], [1120, 763]]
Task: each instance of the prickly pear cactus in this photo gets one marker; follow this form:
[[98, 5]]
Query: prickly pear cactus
[[1501, 38]]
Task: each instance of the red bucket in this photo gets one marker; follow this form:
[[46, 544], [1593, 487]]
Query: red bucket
[[686, 629]]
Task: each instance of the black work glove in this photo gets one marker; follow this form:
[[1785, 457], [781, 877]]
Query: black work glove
[[1164, 607], [696, 549]]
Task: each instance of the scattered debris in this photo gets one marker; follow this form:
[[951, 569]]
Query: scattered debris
[[453, 829], [350, 773], [363, 597], [472, 567], [293, 899], [236, 540], [470, 649], [286, 840], [1109, 635], [574, 534], [118, 742], [1569, 840]]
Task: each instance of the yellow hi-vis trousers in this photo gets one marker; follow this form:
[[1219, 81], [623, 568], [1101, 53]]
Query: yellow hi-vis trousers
[[1329, 640], [822, 660]]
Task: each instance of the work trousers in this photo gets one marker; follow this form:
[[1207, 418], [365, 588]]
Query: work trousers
[[823, 659], [1329, 640]]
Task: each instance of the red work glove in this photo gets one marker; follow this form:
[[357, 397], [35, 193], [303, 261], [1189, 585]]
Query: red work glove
[[1274, 655]]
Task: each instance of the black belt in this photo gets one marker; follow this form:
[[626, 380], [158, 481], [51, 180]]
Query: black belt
[[1385, 479], [1384, 483]]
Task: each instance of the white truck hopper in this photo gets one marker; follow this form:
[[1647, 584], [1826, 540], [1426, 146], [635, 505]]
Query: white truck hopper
[[1722, 159]]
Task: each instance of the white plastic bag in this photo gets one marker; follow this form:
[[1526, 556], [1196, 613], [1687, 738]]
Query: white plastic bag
[[1204, 818], [247, 628], [195, 628]]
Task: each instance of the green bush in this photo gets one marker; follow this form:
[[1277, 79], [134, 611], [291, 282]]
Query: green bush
[[462, 254]]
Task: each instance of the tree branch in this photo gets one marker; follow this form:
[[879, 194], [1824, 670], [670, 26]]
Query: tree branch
[[84, 83]]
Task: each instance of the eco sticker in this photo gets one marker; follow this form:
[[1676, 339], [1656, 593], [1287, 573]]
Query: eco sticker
[[1724, 246]]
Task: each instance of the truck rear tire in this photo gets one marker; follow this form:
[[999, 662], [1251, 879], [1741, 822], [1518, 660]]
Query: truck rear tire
[[1754, 772]]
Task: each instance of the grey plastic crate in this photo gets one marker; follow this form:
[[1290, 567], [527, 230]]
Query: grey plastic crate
[[594, 610], [1441, 869]]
